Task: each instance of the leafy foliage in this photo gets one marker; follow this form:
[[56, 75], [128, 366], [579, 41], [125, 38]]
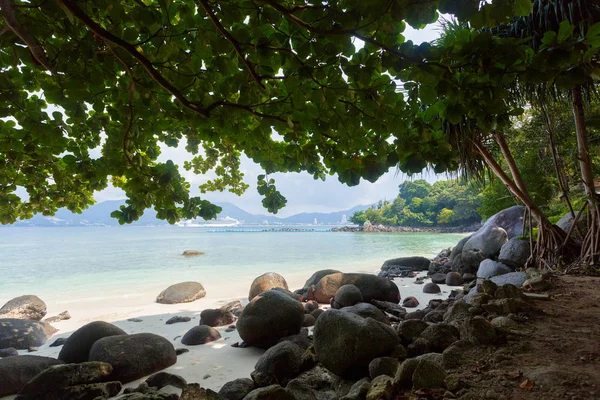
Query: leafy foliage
[[89, 92], [447, 203]]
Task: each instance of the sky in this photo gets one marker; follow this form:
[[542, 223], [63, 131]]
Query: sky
[[303, 193]]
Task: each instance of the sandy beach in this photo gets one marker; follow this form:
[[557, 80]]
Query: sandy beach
[[211, 365]]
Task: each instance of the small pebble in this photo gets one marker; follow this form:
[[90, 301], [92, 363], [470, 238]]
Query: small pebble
[[134, 320], [206, 376]]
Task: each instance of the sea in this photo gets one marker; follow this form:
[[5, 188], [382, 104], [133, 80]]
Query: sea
[[65, 264]]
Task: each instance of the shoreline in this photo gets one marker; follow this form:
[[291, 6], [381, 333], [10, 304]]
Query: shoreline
[[211, 365], [406, 229]]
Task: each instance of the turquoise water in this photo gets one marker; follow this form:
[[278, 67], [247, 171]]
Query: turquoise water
[[58, 263]]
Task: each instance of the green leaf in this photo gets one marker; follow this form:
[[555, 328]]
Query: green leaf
[[427, 94], [565, 31]]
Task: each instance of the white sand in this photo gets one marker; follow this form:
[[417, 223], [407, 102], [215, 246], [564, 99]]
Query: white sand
[[211, 365]]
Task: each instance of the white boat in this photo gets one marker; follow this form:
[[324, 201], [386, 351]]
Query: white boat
[[200, 223]]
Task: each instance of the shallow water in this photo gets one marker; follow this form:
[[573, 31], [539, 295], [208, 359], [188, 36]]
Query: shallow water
[[67, 264]]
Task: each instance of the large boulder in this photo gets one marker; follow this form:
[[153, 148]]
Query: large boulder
[[367, 310], [346, 296], [77, 347], [346, 343], [282, 360], [372, 287], [201, 334], [509, 219], [488, 240], [315, 278], [265, 282], [440, 336], [412, 263], [183, 292], [467, 262], [134, 356], [457, 250], [566, 222], [51, 382], [515, 252], [15, 372], [22, 333], [489, 268], [24, 307], [269, 317]]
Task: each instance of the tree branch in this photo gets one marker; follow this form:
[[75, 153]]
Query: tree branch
[[231, 39], [129, 48], [36, 49]]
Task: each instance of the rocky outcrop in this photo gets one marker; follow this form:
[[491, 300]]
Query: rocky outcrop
[[15, 372], [346, 343], [24, 307], [77, 347], [269, 317], [200, 335], [22, 334], [184, 292], [134, 356], [265, 282], [372, 287]]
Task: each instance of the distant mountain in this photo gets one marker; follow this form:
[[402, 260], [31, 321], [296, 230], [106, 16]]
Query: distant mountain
[[99, 215]]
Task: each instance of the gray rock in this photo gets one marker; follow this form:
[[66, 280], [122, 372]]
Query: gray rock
[[512, 278], [184, 292], [309, 320], [439, 278], [367, 310], [52, 381], [263, 379], [435, 358], [383, 366], [489, 268], [488, 240], [272, 392], [268, 281], [236, 389], [314, 279], [282, 360], [300, 339], [418, 314], [410, 329], [270, 317], [509, 219], [428, 375], [77, 347], [100, 390], [457, 250], [347, 296], [478, 331], [390, 308], [193, 391], [315, 384], [15, 372], [346, 343], [440, 336], [201, 334], [358, 391], [413, 263], [382, 387], [515, 253], [162, 379], [566, 222], [134, 356], [371, 286], [468, 262], [177, 319], [21, 333], [8, 352], [59, 317], [24, 307], [431, 288], [216, 317]]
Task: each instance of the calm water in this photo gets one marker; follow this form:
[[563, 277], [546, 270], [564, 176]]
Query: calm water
[[59, 263]]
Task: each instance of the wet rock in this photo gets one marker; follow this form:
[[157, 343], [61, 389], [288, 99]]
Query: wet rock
[[184, 292], [270, 317], [28, 307], [336, 338], [177, 319], [265, 282], [201, 334], [77, 347], [134, 356]]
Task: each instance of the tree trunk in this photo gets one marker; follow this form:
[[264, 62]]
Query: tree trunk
[[582, 145]]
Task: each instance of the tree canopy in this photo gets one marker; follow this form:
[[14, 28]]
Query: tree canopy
[[89, 89]]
